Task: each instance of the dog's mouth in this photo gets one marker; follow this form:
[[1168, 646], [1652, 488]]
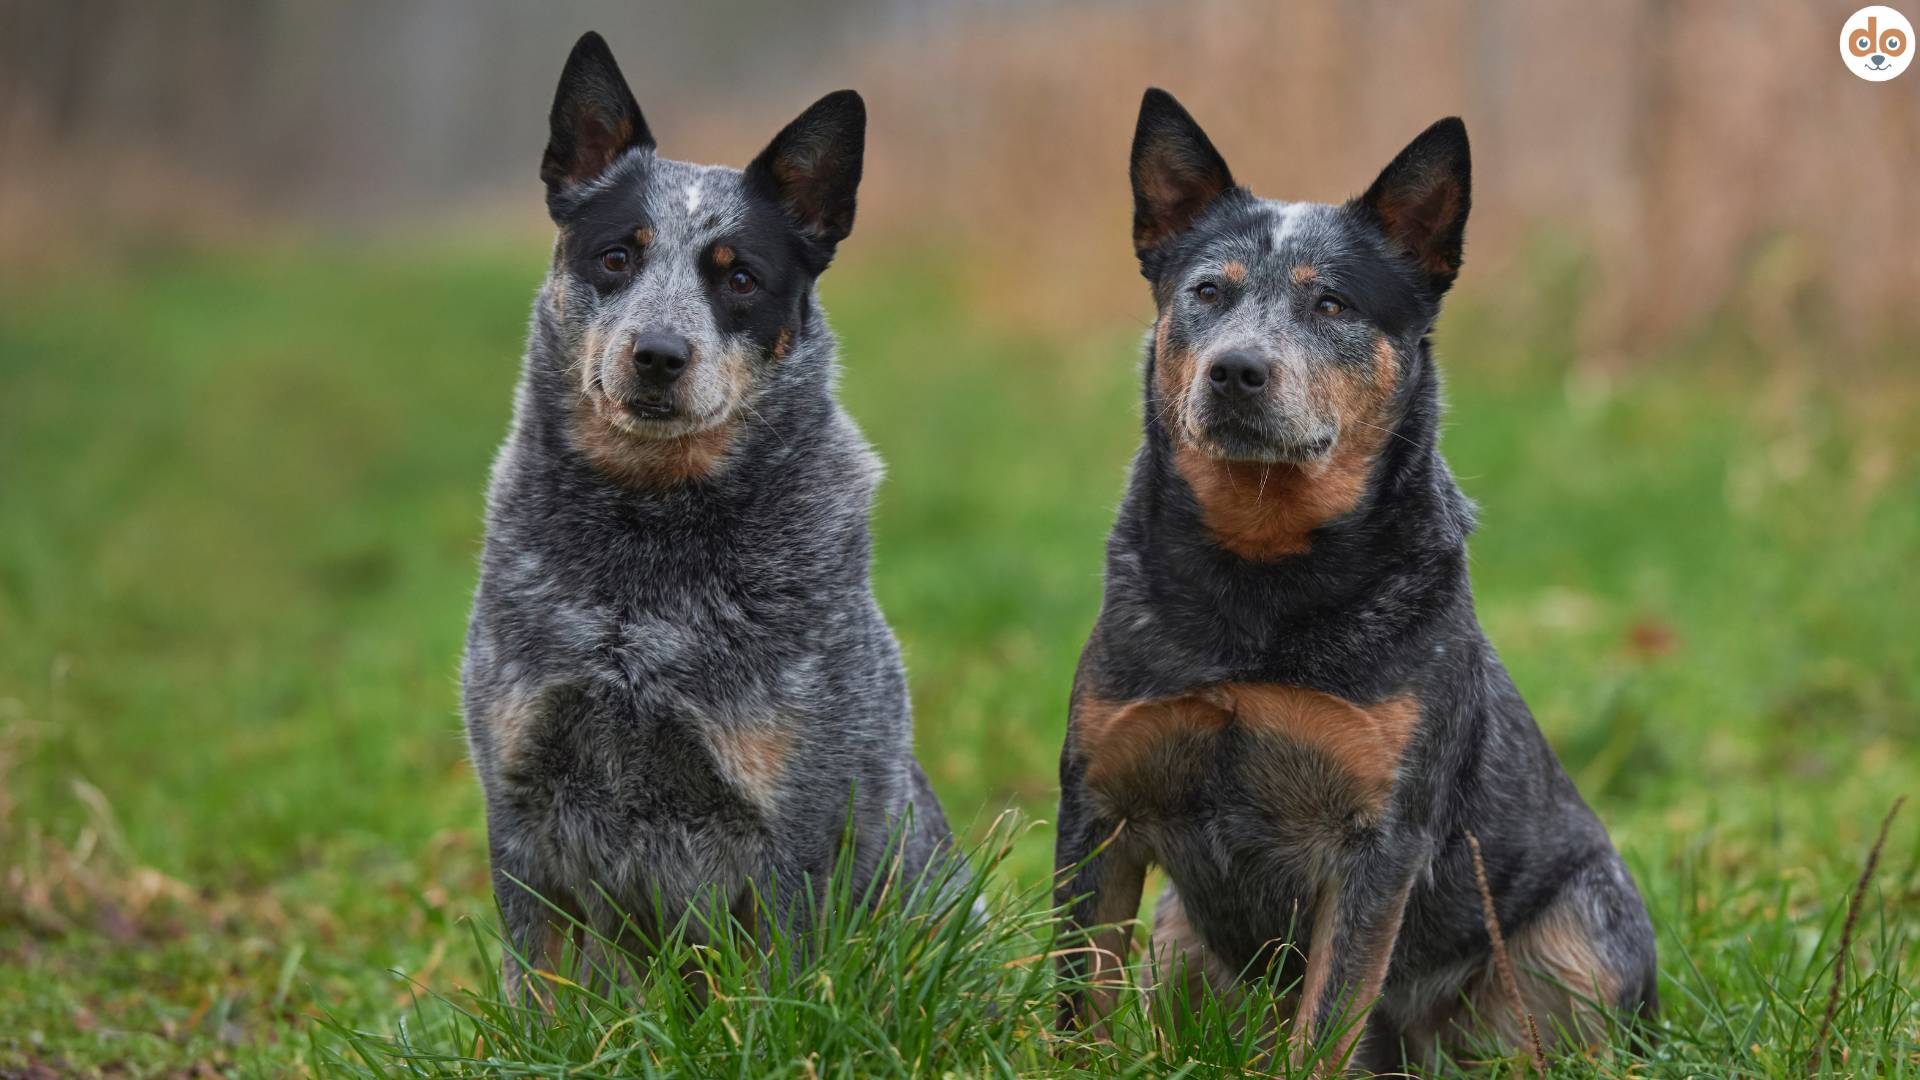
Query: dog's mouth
[[1234, 445], [1238, 436], [650, 407], [1878, 67], [650, 415]]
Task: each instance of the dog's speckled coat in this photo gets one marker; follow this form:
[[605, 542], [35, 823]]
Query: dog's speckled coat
[[676, 677]]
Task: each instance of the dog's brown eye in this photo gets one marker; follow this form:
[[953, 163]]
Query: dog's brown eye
[[1207, 291], [741, 282], [1327, 305], [615, 260]]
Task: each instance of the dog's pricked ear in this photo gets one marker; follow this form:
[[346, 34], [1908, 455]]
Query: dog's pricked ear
[[812, 169], [1177, 174], [594, 118], [1421, 200]]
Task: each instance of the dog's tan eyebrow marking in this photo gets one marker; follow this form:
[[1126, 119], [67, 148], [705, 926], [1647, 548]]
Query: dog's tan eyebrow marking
[[1303, 274], [1235, 271], [643, 235], [722, 256]]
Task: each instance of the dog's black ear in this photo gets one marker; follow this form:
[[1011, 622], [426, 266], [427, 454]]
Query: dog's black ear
[[1177, 174], [594, 119], [1421, 200], [812, 169]]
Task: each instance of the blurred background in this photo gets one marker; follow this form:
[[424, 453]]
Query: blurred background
[[265, 270], [1702, 155]]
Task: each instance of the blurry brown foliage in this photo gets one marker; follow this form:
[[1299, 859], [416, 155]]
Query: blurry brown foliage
[[1706, 158], [1707, 154]]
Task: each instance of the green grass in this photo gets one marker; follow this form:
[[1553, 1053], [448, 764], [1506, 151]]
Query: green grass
[[239, 512]]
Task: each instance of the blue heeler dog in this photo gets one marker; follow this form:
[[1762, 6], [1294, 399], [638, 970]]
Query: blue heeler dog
[[677, 683], [1287, 701]]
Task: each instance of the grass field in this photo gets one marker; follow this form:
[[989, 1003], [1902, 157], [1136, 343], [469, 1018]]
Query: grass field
[[239, 513]]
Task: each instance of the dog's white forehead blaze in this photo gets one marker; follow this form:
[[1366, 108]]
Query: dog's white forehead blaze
[[693, 197], [1290, 216]]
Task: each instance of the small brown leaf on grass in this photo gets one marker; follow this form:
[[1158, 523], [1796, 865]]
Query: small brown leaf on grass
[[1501, 962], [1846, 935], [1650, 638]]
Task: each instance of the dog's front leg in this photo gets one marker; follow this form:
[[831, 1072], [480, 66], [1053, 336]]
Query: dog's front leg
[[536, 936], [1356, 925], [1098, 877]]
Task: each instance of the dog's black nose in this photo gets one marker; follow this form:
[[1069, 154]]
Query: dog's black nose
[[1237, 373], [1877, 59], [660, 357]]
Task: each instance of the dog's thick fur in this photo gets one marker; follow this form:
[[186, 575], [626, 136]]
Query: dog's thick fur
[[677, 683], [1287, 701]]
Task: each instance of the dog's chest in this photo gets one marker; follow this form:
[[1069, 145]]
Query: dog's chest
[[621, 723], [1273, 772]]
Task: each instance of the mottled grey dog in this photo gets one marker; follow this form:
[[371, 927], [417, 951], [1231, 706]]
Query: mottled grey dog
[[677, 682]]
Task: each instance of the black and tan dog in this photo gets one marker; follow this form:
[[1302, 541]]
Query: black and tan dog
[[1287, 702]]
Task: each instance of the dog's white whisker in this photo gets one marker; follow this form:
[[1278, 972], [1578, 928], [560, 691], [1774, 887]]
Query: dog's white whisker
[[1389, 431], [748, 405]]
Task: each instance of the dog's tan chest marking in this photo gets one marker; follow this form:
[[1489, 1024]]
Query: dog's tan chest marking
[[1145, 742], [750, 758], [1123, 738], [1366, 742], [753, 760], [511, 724]]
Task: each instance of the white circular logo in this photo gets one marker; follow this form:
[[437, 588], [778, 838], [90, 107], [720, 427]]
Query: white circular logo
[[1876, 43]]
